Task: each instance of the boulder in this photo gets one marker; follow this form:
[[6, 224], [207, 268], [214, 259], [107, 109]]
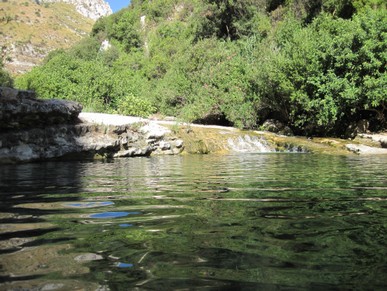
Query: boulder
[[21, 110], [154, 131]]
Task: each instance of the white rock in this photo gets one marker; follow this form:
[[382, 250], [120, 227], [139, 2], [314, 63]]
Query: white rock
[[93, 9], [105, 45], [363, 149], [165, 145], [154, 131], [179, 143]]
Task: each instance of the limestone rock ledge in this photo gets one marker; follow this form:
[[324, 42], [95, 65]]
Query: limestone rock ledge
[[366, 150], [21, 109], [35, 130]]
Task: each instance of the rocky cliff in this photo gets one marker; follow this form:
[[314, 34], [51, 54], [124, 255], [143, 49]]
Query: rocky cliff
[[93, 9], [31, 29]]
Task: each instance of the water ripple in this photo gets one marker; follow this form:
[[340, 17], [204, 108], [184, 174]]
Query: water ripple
[[235, 222]]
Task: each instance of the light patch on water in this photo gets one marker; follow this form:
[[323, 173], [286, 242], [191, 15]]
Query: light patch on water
[[88, 204], [113, 214], [42, 260], [88, 257], [124, 225], [48, 285], [11, 227], [124, 265], [55, 205]]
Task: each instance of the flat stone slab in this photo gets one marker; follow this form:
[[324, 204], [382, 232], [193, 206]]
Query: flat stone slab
[[116, 119], [382, 138], [366, 150], [109, 119]]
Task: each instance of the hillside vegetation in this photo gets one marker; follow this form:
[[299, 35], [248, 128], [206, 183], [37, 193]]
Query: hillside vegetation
[[28, 31], [318, 67]]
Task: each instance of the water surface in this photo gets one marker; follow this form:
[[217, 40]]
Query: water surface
[[206, 222]]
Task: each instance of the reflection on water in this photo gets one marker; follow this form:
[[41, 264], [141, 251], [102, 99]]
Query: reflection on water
[[248, 221], [89, 204]]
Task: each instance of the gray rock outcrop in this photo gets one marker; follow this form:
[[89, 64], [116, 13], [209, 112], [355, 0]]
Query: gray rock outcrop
[[33, 130], [20, 109]]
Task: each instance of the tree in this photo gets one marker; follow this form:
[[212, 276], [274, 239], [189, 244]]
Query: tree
[[330, 72]]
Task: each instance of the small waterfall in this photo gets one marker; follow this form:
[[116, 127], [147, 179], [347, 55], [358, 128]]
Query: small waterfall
[[250, 144]]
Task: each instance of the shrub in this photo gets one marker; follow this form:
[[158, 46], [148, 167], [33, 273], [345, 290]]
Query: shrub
[[134, 106]]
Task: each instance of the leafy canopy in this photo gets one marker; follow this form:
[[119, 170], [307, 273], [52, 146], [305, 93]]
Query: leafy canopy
[[316, 66]]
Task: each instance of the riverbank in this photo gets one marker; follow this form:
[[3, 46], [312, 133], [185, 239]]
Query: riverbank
[[221, 139], [37, 130]]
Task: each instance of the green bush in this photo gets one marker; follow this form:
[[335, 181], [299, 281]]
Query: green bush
[[134, 106], [317, 66], [5, 79]]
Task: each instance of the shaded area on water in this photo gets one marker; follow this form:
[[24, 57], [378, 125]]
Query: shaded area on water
[[213, 222]]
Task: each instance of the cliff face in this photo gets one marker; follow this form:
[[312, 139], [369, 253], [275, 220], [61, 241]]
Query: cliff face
[[31, 29], [93, 9]]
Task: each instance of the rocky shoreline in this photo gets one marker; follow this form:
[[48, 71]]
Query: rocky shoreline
[[36, 130]]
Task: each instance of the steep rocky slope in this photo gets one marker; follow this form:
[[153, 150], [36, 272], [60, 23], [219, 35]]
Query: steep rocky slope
[[93, 9], [30, 29]]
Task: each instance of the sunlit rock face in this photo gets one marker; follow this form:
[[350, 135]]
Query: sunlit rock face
[[41, 26], [93, 9], [32, 129]]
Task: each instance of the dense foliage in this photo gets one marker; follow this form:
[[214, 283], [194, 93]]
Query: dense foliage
[[5, 78], [317, 66]]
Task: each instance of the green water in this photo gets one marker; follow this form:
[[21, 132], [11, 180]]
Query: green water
[[206, 222]]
